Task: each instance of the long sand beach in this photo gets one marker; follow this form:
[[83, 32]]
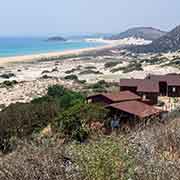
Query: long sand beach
[[36, 57]]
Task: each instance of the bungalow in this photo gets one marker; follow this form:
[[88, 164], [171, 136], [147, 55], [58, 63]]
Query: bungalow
[[110, 98], [126, 108], [169, 84], [147, 89], [129, 84], [133, 111]]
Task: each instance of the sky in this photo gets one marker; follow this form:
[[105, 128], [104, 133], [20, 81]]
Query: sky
[[55, 17]]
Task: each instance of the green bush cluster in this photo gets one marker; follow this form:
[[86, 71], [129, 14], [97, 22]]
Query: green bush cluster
[[20, 120], [133, 66], [7, 75], [74, 121], [100, 86], [104, 159], [111, 64], [89, 71], [8, 83], [75, 78]]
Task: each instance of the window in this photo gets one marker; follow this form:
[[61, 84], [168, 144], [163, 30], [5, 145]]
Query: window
[[144, 97], [174, 89]]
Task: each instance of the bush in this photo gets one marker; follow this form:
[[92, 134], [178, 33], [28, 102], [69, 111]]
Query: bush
[[45, 72], [21, 120], [8, 83], [74, 121], [133, 66], [55, 90], [111, 64], [90, 71], [64, 98], [104, 159], [71, 77], [90, 67], [46, 161], [7, 76], [100, 86]]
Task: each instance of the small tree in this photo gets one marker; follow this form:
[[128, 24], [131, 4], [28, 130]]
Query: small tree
[[73, 122]]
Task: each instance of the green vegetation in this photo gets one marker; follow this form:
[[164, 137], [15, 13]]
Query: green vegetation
[[45, 76], [104, 159], [21, 120], [71, 77], [111, 64], [174, 63], [118, 69], [7, 76], [45, 72], [8, 83], [73, 150], [133, 66], [100, 86], [74, 78], [74, 121], [89, 71], [90, 67], [78, 68], [154, 61]]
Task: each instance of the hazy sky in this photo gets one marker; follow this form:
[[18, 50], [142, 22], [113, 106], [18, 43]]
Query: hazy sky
[[53, 17]]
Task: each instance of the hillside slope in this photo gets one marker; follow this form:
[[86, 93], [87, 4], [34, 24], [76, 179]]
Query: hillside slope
[[147, 33], [167, 43]]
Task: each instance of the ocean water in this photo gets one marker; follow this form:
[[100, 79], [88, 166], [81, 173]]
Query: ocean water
[[26, 46]]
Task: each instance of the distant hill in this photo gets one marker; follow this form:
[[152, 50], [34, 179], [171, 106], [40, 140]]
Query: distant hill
[[147, 33], [56, 38], [168, 42]]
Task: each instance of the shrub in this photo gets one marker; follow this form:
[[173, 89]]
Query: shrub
[[118, 69], [7, 76], [45, 72], [89, 71], [63, 97], [21, 120], [90, 67], [46, 161], [104, 159], [111, 64], [100, 86], [8, 83], [133, 66], [71, 77], [74, 121], [55, 90]]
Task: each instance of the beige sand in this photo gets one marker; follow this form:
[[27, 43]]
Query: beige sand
[[36, 57]]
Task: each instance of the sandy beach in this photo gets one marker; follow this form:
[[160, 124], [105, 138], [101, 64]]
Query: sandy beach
[[109, 45], [37, 57]]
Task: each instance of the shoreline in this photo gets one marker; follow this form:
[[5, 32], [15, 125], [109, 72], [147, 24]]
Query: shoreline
[[38, 57]]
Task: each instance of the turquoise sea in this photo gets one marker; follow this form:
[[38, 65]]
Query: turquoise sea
[[26, 46]]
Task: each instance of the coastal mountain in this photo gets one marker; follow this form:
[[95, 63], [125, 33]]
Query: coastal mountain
[[56, 38], [170, 42], [147, 33]]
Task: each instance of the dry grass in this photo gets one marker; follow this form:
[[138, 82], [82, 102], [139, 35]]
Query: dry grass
[[158, 151], [38, 162]]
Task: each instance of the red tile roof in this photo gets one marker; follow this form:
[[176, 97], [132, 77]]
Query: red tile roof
[[130, 82], [119, 96], [148, 86], [170, 79], [136, 108], [143, 85], [122, 96]]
